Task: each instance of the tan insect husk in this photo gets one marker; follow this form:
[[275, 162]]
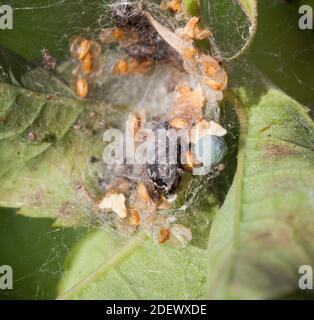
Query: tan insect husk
[[193, 31], [114, 202]]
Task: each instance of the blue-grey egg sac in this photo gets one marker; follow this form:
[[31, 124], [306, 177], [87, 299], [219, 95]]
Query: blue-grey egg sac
[[210, 150]]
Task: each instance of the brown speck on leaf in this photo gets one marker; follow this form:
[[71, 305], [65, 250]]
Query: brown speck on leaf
[[77, 127], [50, 97], [275, 152], [220, 167], [279, 236], [93, 160], [37, 197], [93, 115], [65, 210], [32, 137], [83, 194]]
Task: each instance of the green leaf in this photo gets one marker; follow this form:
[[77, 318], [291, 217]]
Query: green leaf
[[85, 18], [36, 252], [250, 8], [105, 266], [56, 27], [231, 37], [278, 33], [265, 230], [63, 152], [37, 137]]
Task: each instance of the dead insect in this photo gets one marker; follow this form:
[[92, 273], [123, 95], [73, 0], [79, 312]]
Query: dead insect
[[162, 176], [48, 61], [114, 202]]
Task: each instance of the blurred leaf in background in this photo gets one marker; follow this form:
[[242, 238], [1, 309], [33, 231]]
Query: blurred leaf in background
[[284, 52], [36, 252]]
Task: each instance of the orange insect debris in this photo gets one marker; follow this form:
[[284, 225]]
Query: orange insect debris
[[117, 34], [131, 67], [209, 66], [189, 53], [88, 63], [114, 202], [164, 235], [142, 193], [134, 217], [121, 67], [193, 31], [179, 123], [213, 84], [172, 5], [189, 159], [188, 104], [79, 47], [82, 88]]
